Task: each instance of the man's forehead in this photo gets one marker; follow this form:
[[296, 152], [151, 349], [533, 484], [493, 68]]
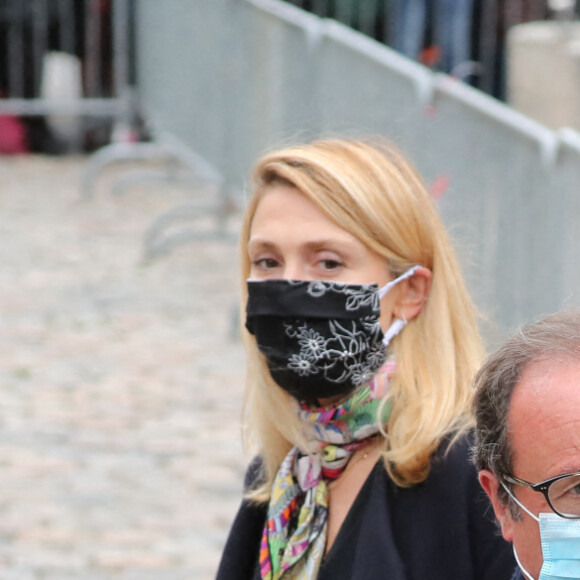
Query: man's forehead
[[549, 374], [544, 418]]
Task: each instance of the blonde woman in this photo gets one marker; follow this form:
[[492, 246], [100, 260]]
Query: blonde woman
[[362, 344]]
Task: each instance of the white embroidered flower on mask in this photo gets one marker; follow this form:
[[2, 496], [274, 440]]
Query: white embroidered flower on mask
[[302, 365], [360, 298], [376, 356], [312, 343], [360, 375]]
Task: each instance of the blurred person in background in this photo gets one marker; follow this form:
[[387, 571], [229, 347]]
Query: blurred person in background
[[362, 343], [527, 408], [451, 22]]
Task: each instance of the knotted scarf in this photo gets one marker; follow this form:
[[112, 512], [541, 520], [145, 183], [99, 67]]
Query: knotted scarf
[[294, 537]]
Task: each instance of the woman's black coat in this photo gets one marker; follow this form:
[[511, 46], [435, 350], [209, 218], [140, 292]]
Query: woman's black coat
[[441, 529]]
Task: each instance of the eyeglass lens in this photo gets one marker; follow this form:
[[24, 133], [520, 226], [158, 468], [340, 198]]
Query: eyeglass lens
[[564, 495]]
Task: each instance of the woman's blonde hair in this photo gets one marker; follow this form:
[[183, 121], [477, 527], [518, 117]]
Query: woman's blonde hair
[[372, 192]]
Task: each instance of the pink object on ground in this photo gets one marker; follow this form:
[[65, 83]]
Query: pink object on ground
[[12, 136]]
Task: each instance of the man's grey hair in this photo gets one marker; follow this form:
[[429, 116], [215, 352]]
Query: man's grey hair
[[555, 337]]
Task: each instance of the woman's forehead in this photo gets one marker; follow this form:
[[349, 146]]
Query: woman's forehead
[[284, 210]]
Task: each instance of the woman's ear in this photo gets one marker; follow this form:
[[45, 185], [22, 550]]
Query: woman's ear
[[414, 294], [490, 484]]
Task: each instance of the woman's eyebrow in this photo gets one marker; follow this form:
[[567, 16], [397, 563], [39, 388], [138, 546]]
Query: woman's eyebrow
[[260, 244], [330, 244], [335, 241]]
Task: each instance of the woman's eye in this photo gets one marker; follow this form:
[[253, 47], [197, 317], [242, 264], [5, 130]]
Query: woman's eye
[[265, 263], [330, 264]]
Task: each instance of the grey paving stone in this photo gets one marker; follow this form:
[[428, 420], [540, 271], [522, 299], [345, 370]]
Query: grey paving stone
[[121, 384]]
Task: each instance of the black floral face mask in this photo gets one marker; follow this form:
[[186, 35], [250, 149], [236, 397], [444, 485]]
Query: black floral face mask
[[320, 339]]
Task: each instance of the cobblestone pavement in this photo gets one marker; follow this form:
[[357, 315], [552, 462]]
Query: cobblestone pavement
[[121, 384]]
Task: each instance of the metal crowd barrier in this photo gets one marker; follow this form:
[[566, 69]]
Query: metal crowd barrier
[[68, 58], [464, 38], [72, 62], [180, 165], [233, 78]]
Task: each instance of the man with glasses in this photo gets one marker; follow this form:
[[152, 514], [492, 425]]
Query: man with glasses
[[527, 448]]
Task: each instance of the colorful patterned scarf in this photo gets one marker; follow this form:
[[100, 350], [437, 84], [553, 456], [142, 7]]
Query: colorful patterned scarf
[[294, 537]]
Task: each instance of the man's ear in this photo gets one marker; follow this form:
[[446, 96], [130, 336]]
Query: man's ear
[[414, 293], [490, 484]]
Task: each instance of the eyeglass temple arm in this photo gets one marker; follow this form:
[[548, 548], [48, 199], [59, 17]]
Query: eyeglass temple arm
[[517, 481]]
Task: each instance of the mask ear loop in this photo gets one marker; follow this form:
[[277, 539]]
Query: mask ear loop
[[383, 291], [396, 326], [524, 571], [509, 492], [399, 323]]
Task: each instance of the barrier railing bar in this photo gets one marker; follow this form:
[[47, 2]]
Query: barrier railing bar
[[487, 45], [15, 62], [536, 12], [367, 12], [39, 41], [479, 102], [416, 73], [90, 107], [93, 76], [320, 7], [570, 137], [36, 26], [513, 12], [120, 15], [288, 12], [67, 34], [344, 12]]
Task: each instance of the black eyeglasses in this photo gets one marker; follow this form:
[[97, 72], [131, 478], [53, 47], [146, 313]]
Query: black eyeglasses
[[561, 492]]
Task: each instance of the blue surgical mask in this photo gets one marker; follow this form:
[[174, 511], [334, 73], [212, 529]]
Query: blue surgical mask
[[560, 539]]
